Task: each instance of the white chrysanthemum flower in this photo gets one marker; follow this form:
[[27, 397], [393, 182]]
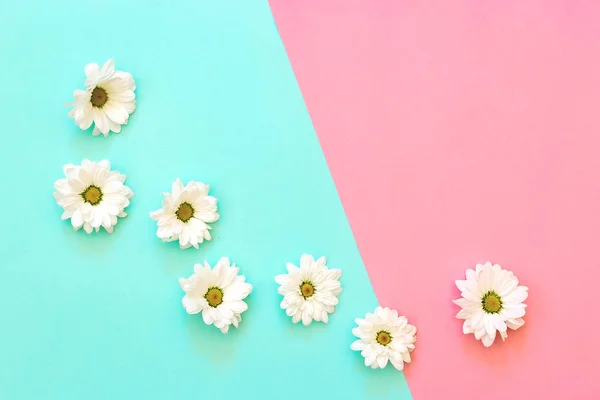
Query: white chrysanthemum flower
[[217, 293], [185, 214], [107, 100], [492, 300], [384, 336], [92, 195], [309, 292]]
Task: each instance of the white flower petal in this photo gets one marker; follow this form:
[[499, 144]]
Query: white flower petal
[[116, 112], [518, 295], [306, 261], [191, 305], [357, 345], [292, 269], [92, 72], [177, 188], [282, 279], [297, 316], [306, 317], [498, 322], [488, 340], [108, 68], [398, 364], [515, 323], [513, 312], [207, 317]]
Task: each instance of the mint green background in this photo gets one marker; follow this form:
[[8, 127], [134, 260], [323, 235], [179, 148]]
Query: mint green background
[[99, 316]]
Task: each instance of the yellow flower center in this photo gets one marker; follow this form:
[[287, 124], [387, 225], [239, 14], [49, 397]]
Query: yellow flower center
[[383, 338], [491, 302], [92, 194], [214, 296], [307, 289], [185, 212], [99, 97]]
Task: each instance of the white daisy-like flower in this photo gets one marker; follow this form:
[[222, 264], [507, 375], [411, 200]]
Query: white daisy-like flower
[[92, 195], [217, 293], [384, 336], [492, 300], [185, 214], [107, 101], [309, 292]]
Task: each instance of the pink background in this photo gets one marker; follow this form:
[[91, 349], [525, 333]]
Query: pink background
[[457, 132]]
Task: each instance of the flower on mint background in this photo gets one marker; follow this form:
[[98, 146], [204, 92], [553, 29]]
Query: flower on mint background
[[309, 292], [107, 101], [92, 195], [185, 214], [217, 293]]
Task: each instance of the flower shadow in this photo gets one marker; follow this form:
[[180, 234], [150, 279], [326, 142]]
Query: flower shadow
[[501, 354], [85, 143], [209, 342], [99, 243], [380, 383], [178, 262], [293, 331]]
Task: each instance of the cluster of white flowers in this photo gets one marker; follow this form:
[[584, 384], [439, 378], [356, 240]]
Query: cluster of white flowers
[[94, 196]]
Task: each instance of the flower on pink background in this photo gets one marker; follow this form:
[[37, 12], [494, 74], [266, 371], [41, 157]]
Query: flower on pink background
[[492, 301]]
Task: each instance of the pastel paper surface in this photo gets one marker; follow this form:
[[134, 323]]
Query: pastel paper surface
[[100, 316], [459, 132]]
